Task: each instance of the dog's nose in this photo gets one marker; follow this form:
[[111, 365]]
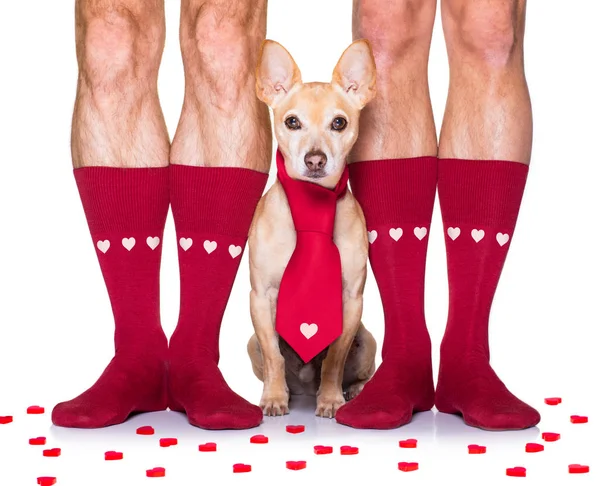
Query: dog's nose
[[315, 160]]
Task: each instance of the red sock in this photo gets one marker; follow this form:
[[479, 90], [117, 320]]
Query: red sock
[[480, 202], [213, 209], [397, 198], [126, 211]]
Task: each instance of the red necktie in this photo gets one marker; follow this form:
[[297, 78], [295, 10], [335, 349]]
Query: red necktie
[[309, 306]]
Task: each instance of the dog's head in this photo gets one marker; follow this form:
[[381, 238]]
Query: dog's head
[[316, 124]]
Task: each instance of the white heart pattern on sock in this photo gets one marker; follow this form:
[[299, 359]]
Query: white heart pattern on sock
[[210, 246], [477, 235], [502, 238], [396, 233], [453, 233], [308, 330], [185, 243], [234, 251], [103, 245], [128, 243], [372, 236], [153, 242], [420, 232]]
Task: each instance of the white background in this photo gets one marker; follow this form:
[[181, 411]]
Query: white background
[[55, 320]]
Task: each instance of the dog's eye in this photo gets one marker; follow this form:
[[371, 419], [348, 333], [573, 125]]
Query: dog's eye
[[293, 123], [338, 124]]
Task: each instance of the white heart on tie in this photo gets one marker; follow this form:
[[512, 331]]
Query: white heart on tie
[[210, 246], [420, 232], [234, 251], [502, 238], [308, 330], [372, 236], [477, 235], [396, 233], [185, 243], [453, 233], [103, 245], [153, 242], [128, 243]]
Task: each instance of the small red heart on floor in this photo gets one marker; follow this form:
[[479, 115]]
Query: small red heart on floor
[[579, 419], [295, 465], [242, 468], [348, 450], [408, 444], [145, 430], [51, 452], [516, 472], [35, 410], [37, 441], [167, 442], [550, 436], [552, 401], [46, 481], [408, 466], [156, 472], [578, 469], [477, 449], [259, 439], [113, 456], [319, 449], [533, 447], [295, 429], [6, 420], [208, 447]]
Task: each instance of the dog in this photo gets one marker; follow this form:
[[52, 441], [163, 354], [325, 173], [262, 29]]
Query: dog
[[328, 115]]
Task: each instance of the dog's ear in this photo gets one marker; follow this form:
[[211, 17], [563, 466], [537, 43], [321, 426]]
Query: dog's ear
[[355, 73], [276, 73]]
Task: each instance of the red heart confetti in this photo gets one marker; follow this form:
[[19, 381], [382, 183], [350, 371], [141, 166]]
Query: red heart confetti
[[550, 436], [259, 439], [348, 450], [6, 420], [51, 452], [113, 456], [408, 466], [295, 429], [320, 450], [156, 472], [552, 401], [208, 447], [46, 480], [242, 468], [477, 449], [145, 430], [533, 447], [408, 444], [35, 410], [37, 441], [516, 472], [167, 442], [578, 469], [579, 419], [295, 465]]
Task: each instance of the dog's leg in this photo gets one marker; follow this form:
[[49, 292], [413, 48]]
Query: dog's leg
[[275, 397], [360, 363]]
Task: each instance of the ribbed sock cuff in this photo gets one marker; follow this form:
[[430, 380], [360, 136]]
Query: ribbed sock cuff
[[217, 200], [395, 190], [485, 192], [124, 200]]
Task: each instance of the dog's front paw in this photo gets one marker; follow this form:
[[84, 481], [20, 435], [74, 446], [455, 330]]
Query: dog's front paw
[[275, 404], [328, 404]]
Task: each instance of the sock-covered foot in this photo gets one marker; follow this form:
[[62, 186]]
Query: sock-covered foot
[[126, 211], [213, 209], [397, 198], [480, 203]]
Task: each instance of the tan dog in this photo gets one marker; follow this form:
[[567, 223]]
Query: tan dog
[[316, 125]]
